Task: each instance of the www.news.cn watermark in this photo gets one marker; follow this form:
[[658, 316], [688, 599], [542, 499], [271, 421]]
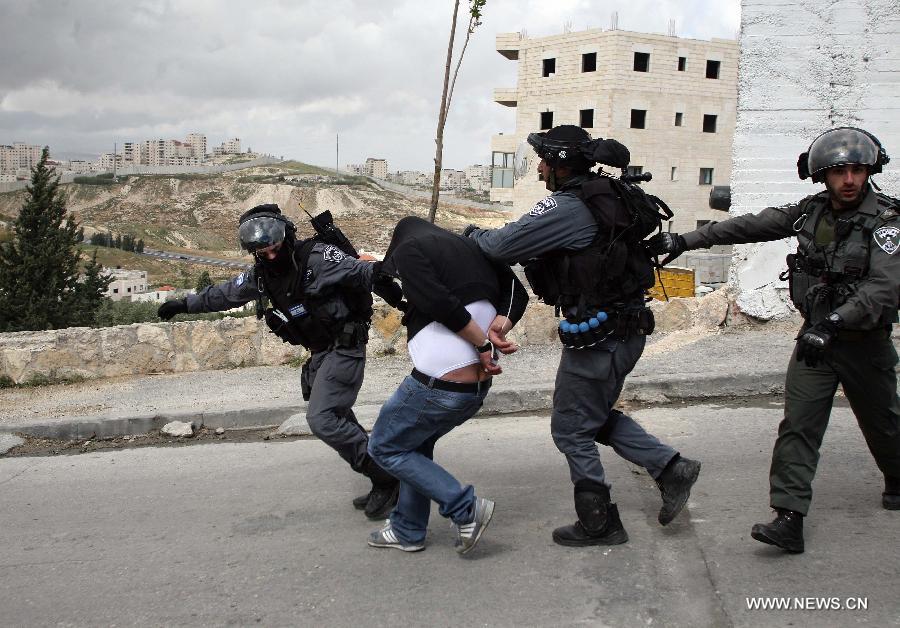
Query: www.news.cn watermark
[[810, 603]]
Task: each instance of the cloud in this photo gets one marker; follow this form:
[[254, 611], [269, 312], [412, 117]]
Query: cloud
[[284, 76]]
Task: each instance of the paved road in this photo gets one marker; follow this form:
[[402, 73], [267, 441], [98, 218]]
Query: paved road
[[264, 533]]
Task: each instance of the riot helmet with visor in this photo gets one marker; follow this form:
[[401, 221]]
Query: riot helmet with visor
[[839, 147]]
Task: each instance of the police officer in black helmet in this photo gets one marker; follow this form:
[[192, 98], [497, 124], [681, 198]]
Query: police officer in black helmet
[[319, 298], [844, 280], [568, 261]]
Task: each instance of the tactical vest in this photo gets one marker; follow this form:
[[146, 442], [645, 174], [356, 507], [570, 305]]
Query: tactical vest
[[822, 277], [304, 318], [614, 270]]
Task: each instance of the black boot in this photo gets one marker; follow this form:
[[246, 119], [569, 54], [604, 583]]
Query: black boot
[[786, 531], [598, 519], [385, 489], [890, 499], [360, 502], [675, 484]]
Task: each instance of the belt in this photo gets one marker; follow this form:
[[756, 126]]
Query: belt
[[442, 384]]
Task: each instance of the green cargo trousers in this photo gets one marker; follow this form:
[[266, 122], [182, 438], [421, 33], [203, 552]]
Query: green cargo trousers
[[864, 367]]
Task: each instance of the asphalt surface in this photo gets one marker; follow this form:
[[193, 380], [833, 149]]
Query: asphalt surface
[[264, 533], [679, 366]]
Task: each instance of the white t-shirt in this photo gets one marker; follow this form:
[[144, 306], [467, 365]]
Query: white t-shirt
[[436, 350]]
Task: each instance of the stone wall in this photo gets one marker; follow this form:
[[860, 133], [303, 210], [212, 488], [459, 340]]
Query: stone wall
[[143, 348], [805, 66]]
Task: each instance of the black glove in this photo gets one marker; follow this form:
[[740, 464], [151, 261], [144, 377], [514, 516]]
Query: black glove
[[170, 308], [667, 243], [814, 342], [468, 230], [386, 287]]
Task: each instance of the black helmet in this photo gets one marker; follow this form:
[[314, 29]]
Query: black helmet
[[263, 226], [562, 145], [839, 147]]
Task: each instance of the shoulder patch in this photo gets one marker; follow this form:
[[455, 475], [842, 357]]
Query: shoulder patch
[[333, 254], [888, 238], [889, 214], [543, 206], [240, 279]]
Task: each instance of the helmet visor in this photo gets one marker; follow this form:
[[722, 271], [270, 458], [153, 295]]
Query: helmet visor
[[840, 147], [525, 161], [258, 233]]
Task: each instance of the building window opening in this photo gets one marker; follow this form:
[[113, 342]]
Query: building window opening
[[709, 123], [638, 118], [679, 118], [706, 176], [674, 175], [502, 170], [549, 67], [633, 171], [586, 118], [589, 62], [712, 69], [546, 120], [642, 62], [682, 64]]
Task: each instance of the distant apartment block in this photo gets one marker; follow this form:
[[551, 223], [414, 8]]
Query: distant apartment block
[[411, 177], [228, 147], [453, 179], [670, 100], [19, 158], [197, 142], [375, 167]]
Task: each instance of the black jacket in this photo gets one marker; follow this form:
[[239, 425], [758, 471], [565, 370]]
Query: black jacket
[[442, 272]]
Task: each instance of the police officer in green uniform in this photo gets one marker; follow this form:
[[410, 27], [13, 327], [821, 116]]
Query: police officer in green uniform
[[844, 281]]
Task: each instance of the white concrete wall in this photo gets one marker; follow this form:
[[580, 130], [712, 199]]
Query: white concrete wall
[[805, 66]]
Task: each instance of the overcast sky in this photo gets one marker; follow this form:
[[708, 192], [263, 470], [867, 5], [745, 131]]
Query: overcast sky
[[285, 76]]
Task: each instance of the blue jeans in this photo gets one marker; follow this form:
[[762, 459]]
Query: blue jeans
[[402, 443]]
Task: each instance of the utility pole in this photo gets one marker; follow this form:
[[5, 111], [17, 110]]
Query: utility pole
[[337, 152], [115, 159]]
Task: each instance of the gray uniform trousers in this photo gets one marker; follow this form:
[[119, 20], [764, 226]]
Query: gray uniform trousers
[[335, 377], [588, 383], [865, 370]]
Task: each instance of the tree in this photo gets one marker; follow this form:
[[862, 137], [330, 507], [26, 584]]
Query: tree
[[475, 8], [39, 265], [203, 280], [139, 247], [89, 294]]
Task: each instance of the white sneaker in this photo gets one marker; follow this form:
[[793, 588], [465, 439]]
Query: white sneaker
[[468, 534], [385, 537]]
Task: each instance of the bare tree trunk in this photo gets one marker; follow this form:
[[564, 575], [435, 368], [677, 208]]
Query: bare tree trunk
[[442, 119]]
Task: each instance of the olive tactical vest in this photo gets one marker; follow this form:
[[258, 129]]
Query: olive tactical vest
[[823, 276]]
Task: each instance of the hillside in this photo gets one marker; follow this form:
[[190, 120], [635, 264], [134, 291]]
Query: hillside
[[198, 213]]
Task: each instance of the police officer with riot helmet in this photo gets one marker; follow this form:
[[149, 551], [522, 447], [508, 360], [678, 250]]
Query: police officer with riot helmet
[[568, 261], [320, 298], [844, 279]]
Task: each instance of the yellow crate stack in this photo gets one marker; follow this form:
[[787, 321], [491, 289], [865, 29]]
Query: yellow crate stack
[[679, 282]]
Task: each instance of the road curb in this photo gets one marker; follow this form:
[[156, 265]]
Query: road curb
[[638, 388]]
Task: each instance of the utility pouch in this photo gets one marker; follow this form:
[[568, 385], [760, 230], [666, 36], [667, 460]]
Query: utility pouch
[[352, 334], [543, 281], [279, 325], [646, 322], [307, 332], [305, 384]]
